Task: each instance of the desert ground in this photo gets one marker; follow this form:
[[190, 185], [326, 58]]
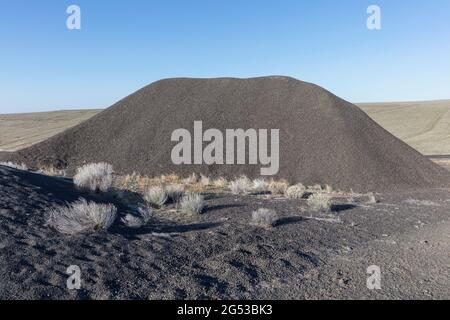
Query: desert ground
[[361, 198], [221, 254]]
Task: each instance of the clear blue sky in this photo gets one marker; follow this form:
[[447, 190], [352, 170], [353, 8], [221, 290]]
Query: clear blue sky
[[124, 45]]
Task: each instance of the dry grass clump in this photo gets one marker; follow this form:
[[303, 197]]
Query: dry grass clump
[[241, 185], [192, 203], [260, 186], [146, 213], [196, 184], [192, 179], [135, 222], [174, 192], [320, 202], [370, 198], [170, 179], [127, 182], [197, 188], [156, 196], [81, 216], [133, 182], [94, 177], [265, 218], [278, 187], [315, 188], [13, 165], [220, 183], [137, 182], [51, 171], [132, 222], [295, 192], [204, 180]]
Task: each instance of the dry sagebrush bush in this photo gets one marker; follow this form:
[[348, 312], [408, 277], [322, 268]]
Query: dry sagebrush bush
[[129, 181], [260, 185], [241, 185], [156, 196], [136, 182], [94, 177], [192, 203], [132, 222], [328, 188], [192, 179], [204, 180], [220, 183], [295, 192], [135, 222], [170, 178], [174, 192], [264, 217], [278, 187], [197, 188], [51, 171], [371, 199], [320, 202], [146, 213], [81, 216], [315, 188]]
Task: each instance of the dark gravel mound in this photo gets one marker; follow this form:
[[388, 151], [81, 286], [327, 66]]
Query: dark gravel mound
[[323, 139]]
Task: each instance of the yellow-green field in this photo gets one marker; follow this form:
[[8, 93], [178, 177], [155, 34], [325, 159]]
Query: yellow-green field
[[18, 131], [423, 125]]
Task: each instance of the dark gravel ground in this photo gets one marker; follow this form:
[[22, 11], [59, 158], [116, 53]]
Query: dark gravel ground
[[220, 255], [323, 139]]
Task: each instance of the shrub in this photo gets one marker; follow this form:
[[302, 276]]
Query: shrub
[[264, 217], [171, 178], [205, 181], [192, 203], [315, 188], [295, 192], [320, 202], [241, 185], [52, 171], [175, 192], [191, 179], [370, 198], [14, 165], [156, 196], [220, 183], [278, 187], [146, 213], [132, 221], [80, 216], [94, 176], [128, 182], [260, 185]]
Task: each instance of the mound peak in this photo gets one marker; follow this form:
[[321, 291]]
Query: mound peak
[[322, 138]]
